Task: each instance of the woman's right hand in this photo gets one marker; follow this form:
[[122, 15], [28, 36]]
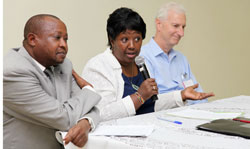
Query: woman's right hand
[[148, 88]]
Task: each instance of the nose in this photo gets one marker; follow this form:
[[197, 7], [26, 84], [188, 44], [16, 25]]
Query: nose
[[63, 43], [131, 44], [181, 31]]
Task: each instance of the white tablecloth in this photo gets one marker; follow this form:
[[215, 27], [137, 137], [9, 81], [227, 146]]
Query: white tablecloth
[[175, 136]]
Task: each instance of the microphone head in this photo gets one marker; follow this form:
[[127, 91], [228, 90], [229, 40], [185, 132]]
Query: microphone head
[[139, 60]]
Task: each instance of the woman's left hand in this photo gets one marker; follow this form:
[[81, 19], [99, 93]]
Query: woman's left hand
[[190, 93]]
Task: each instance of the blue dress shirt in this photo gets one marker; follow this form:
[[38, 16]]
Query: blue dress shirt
[[169, 71]]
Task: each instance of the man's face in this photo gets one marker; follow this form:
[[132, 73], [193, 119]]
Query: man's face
[[172, 29], [51, 42]]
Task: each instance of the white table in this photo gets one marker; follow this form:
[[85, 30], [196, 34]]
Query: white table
[[174, 136]]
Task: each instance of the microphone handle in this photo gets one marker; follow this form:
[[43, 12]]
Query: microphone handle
[[154, 98], [145, 75]]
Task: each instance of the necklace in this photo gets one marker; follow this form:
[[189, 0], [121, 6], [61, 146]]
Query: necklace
[[130, 79], [135, 87]]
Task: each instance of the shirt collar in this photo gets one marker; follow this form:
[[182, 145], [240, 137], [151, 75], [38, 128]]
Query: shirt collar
[[42, 68], [172, 54], [38, 64], [112, 59], [158, 51]]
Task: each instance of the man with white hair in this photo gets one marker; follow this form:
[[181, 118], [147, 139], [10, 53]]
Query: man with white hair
[[169, 67]]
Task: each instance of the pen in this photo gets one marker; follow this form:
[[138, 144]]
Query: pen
[[244, 121], [176, 122]]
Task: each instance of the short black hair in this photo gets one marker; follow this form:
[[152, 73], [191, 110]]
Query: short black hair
[[122, 19]]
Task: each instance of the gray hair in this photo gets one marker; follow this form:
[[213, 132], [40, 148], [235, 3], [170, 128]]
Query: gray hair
[[163, 11]]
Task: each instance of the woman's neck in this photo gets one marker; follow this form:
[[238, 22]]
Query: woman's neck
[[130, 70]]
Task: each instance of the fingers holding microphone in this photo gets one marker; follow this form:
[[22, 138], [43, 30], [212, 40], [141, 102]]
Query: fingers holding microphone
[[148, 88], [154, 88], [153, 85], [140, 62]]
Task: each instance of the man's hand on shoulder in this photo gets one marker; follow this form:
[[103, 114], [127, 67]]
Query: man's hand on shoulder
[[78, 134], [79, 80]]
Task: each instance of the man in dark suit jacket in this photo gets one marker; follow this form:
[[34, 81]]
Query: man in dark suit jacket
[[37, 104]]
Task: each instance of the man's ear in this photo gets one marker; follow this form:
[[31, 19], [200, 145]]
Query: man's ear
[[158, 24], [31, 38]]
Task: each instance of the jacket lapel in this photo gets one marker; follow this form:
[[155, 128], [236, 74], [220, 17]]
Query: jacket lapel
[[49, 88], [61, 84]]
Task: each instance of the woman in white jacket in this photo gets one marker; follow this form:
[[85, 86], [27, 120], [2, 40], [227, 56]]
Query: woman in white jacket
[[116, 77]]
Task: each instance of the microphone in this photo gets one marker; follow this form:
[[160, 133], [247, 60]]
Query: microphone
[[139, 60]]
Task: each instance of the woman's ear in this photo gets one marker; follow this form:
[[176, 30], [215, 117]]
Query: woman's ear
[[111, 42], [31, 39]]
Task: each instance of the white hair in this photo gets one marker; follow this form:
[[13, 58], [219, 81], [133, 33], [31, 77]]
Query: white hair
[[163, 11]]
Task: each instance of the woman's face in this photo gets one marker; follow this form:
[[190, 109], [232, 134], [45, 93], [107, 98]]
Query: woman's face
[[127, 46]]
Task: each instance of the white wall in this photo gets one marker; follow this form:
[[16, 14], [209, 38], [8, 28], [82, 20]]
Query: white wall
[[216, 40]]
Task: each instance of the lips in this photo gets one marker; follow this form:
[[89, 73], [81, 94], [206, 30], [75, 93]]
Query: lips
[[131, 55], [62, 53], [176, 37]]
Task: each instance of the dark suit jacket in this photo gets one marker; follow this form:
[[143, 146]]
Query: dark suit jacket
[[33, 109]]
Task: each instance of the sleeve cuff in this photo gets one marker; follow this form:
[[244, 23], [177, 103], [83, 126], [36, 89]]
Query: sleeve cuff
[[128, 103], [178, 98], [89, 87], [92, 125]]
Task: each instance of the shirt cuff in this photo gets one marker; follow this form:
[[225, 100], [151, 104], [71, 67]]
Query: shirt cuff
[[129, 104], [178, 98], [92, 125], [89, 87]]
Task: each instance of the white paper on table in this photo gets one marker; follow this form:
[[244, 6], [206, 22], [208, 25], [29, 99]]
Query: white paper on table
[[198, 141], [202, 114], [94, 142], [123, 130]]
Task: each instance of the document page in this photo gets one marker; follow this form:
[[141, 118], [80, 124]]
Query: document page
[[123, 130], [202, 114], [94, 142]]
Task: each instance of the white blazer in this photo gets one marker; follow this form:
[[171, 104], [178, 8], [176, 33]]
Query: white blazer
[[105, 74]]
